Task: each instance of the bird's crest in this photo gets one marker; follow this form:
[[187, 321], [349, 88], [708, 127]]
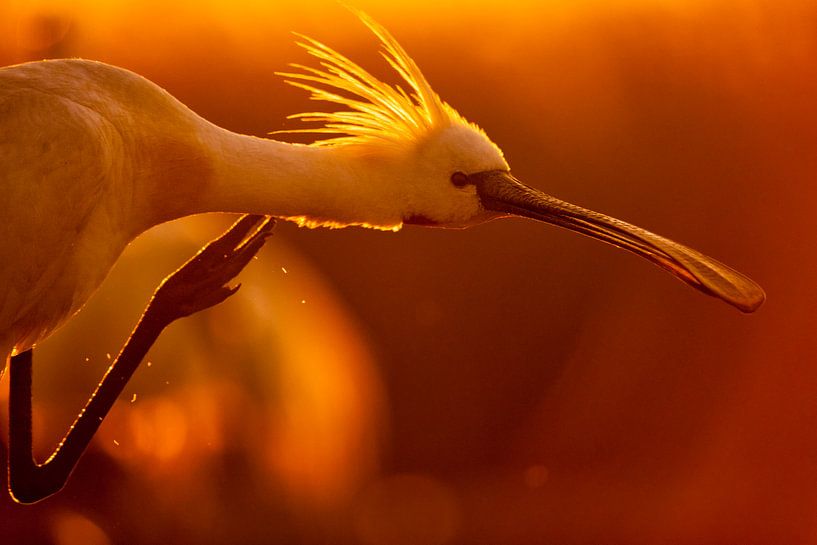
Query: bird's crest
[[379, 112]]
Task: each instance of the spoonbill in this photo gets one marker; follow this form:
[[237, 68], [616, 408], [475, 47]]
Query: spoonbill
[[92, 155]]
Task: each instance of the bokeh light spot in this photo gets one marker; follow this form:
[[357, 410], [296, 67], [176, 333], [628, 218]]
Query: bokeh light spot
[[69, 528]]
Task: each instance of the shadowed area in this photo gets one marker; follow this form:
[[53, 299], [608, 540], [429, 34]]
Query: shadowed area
[[511, 383]]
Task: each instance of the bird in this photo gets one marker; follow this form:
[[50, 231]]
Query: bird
[[92, 155]]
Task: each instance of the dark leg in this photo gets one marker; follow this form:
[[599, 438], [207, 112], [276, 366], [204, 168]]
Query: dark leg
[[198, 284]]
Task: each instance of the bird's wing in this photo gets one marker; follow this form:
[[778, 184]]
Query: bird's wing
[[53, 167]]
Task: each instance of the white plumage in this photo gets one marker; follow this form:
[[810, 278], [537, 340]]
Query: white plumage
[[92, 155]]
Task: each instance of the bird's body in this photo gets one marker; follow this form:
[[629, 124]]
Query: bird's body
[[62, 174], [80, 167]]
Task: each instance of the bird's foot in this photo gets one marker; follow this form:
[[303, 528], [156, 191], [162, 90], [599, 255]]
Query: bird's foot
[[203, 281]]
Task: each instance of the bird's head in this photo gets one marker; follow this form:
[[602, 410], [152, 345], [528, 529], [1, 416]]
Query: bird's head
[[434, 177], [445, 172], [419, 147]]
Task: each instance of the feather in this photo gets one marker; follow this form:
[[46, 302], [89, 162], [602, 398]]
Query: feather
[[379, 113]]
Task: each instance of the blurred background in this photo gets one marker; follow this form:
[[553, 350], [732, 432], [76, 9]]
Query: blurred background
[[513, 383]]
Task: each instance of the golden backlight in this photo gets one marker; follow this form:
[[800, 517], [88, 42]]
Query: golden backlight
[[508, 384]]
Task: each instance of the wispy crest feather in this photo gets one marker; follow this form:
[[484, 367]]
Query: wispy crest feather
[[378, 112]]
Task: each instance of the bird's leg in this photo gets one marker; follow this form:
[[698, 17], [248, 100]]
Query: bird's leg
[[199, 284]]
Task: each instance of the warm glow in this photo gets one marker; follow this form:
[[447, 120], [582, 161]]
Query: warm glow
[[508, 384], [303, 221]]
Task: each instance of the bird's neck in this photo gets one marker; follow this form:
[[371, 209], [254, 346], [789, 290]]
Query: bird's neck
[[312, 185]]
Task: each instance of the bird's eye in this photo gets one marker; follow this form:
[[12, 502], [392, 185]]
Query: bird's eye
[[459, 179]]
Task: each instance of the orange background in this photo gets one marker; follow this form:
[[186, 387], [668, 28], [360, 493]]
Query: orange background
[[512, 383]]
